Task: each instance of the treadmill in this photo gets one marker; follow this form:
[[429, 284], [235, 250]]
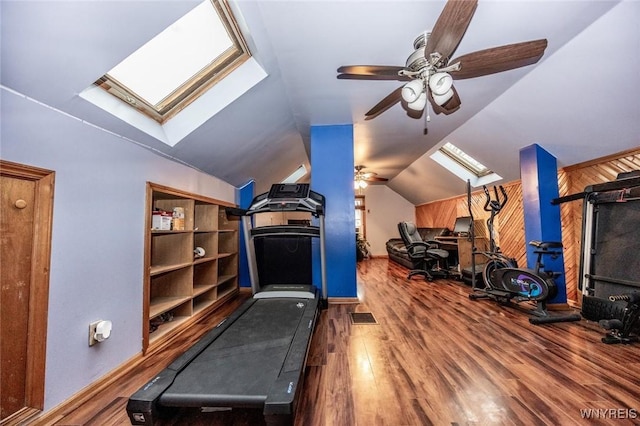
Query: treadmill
[[256, 357]]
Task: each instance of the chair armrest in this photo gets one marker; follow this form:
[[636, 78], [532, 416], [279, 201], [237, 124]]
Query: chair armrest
[[418, 244], [414, 252]]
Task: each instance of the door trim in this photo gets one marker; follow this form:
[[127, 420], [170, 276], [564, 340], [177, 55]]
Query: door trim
[[40, 268]]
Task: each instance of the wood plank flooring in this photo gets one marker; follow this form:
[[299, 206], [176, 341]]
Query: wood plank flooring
[[434, 358]]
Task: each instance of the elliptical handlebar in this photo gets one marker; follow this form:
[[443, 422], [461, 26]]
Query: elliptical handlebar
[[495, 205]]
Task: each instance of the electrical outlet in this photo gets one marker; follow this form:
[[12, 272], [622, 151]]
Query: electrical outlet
[[92, 333]]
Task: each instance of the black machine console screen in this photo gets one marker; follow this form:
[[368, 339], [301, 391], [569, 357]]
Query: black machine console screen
[[288, 191]]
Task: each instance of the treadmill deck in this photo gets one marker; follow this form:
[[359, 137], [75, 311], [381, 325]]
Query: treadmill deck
[[241, 365]]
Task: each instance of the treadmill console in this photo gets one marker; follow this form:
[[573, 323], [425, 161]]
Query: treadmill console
[[289, 197], [289, 190]]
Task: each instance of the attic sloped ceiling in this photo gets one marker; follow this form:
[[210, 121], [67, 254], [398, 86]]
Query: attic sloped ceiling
[[579, 102]]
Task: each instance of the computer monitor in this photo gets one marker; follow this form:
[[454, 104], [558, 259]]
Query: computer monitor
[[462, 226]]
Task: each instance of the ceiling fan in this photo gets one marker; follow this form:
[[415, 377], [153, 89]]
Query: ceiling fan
[[361, 178], [429, 70]]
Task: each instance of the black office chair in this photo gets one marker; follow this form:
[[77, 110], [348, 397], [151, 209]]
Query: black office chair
[[428, 259]]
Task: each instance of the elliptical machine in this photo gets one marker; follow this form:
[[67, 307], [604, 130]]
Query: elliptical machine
[[503, 280]]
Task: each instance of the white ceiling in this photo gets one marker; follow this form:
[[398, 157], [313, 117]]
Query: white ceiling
[[581, 101]]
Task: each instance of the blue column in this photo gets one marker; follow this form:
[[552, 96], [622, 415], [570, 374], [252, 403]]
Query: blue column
[[539, 178], [332, 175], [245, 196]]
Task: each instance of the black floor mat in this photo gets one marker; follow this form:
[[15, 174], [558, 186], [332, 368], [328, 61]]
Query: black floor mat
[[363, 318]]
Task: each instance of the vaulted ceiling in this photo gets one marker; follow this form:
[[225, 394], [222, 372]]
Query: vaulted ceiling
[[580, 101]]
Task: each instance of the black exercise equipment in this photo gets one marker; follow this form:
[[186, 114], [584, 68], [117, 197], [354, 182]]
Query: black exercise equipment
[[625, 329], [256, 357], [505, 282], [492, 205], [428, 259], [609, 264]]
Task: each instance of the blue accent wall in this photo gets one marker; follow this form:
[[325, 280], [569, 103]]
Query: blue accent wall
[[332, 175], [539, 178], [245, 196]]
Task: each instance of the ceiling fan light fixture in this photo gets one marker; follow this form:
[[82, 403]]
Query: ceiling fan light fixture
[[360, 184], [442, 99], [412, 90], [420, 103], [440, 83]]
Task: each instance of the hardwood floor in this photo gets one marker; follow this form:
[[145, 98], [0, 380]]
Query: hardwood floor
[[434, 358]]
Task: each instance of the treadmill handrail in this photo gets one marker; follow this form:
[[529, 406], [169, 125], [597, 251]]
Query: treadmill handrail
[[288, 230], [307, 205]]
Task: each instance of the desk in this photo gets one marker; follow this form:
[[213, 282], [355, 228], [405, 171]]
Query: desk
[[463, 248]]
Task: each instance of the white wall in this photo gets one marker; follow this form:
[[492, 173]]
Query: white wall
[[384, 209], [98, 234]]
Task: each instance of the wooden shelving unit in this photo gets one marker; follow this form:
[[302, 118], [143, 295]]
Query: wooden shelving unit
[[178, 287]]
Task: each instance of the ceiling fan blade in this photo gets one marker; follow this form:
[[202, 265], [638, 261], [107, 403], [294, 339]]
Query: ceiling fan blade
[[370, 69], [451, 106], [389, 101], [498, 59], [450, 27], [376, 179], [372, 77]]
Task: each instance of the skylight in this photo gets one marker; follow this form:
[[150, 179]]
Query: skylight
[[205, 58], [463, 165], [296, 175], [176, 66], [465, 160]]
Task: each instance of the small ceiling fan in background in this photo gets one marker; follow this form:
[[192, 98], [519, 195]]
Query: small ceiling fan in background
[[429, 70], [361, 179]]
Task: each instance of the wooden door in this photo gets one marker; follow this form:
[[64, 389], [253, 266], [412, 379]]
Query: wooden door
[[25, 230]]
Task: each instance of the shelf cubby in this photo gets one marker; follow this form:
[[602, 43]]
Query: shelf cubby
[[208, 241], [205, 275], [167, 202], [228, 264], [228, 241], [225, 288], [205, 299], [206, 217], [171, 248]]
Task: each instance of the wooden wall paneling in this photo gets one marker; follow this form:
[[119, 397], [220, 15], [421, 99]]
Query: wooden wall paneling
[[571, 218], [510, 225], [424, 213], [435, 216], [610, 166]]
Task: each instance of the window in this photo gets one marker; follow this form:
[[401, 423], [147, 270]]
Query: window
[[463, 165], [361, 222], [179, 64]]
